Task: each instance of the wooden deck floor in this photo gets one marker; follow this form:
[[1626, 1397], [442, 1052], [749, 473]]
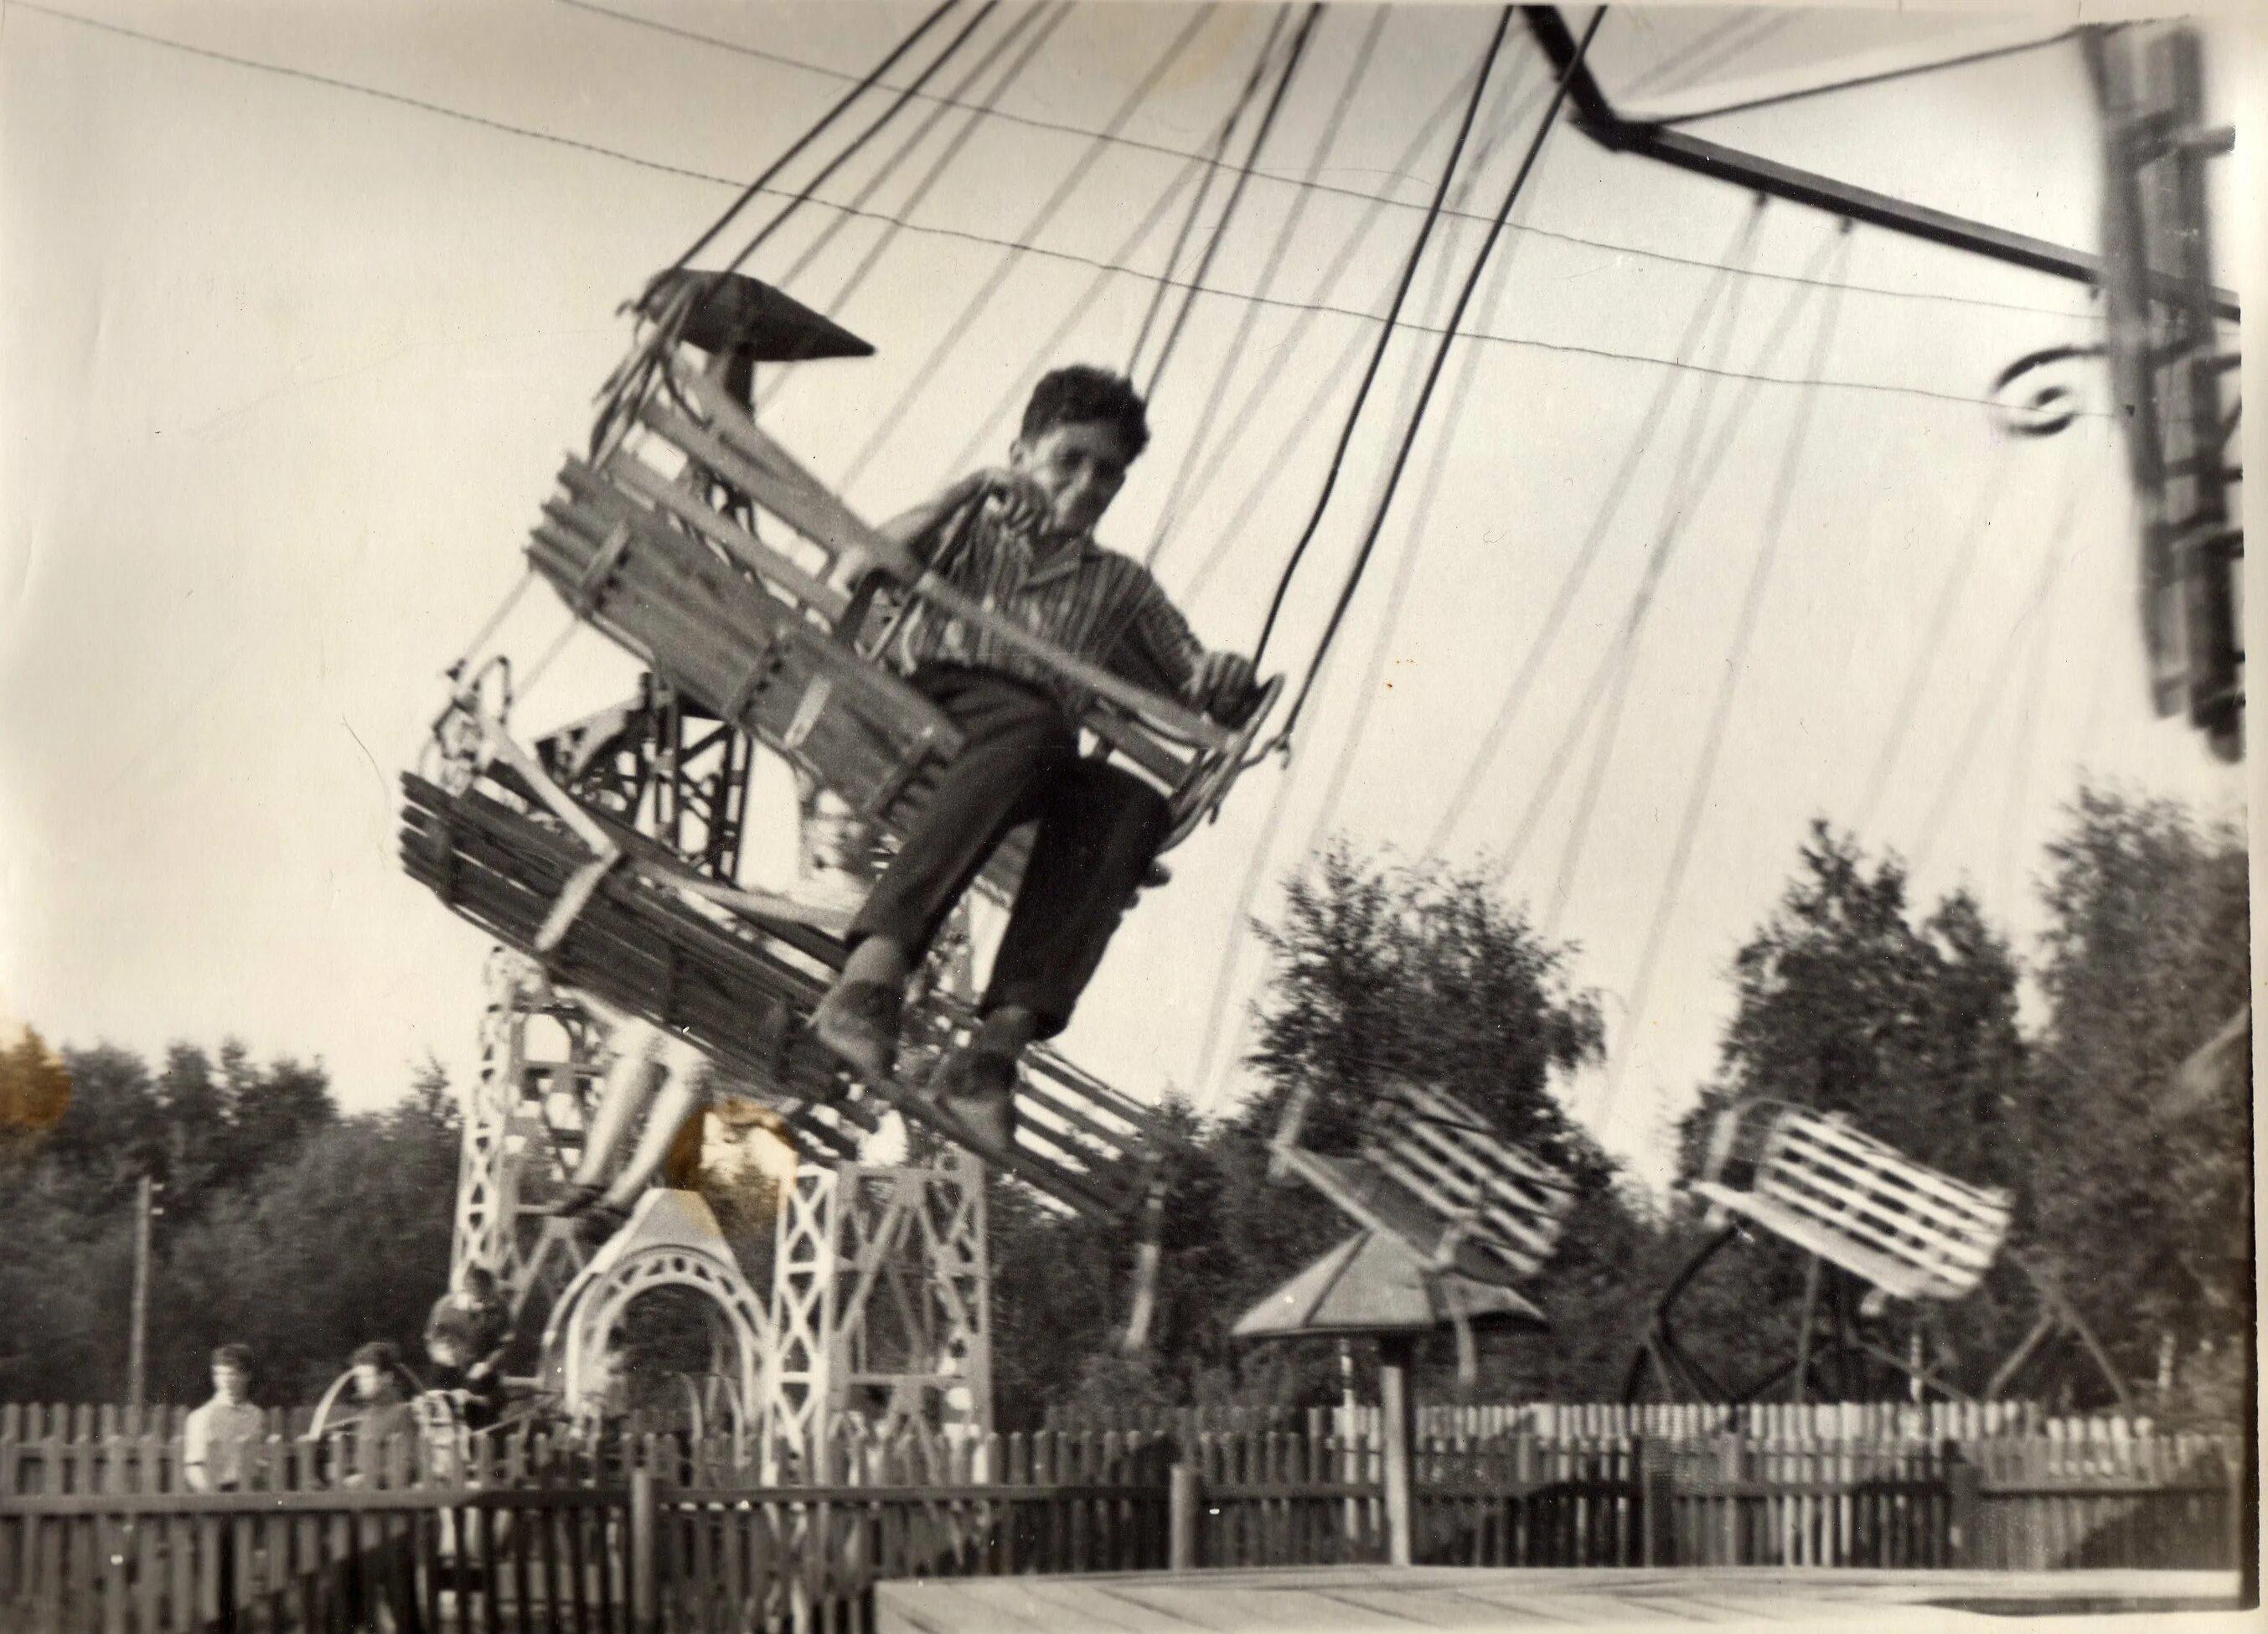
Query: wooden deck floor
[[1356, 1600]]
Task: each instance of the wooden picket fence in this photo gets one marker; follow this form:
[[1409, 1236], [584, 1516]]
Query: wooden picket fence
[[539, 1532], [1927, 1423]]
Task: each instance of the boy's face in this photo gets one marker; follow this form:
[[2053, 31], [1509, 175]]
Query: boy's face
[[368, 1377], [444, 1353], [1081, 465], [230, 1382]]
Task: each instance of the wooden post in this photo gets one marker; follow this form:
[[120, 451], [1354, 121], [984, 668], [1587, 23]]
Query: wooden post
[[1397, 1356], [1656, 1512], [138, 1318], [645, 1582], [1183, 1494], [1965, 1507]]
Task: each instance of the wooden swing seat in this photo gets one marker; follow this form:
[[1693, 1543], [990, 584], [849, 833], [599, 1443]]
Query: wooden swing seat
[[1432, 1174], [657, 544], [739, 986], [1856, 1203]]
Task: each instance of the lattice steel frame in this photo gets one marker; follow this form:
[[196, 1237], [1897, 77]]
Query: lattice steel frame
[[883, 1279], [882, 1282], [524, 1119]]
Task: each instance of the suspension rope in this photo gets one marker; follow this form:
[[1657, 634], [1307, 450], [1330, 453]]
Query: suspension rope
[[1413, 418], [920, 190], [1433, 371], [1385, 338], [1212, 161], [1045, 352], [1965, 553], [1248, 318], [1247, 415], [1728, 683], [1235, 197], [1618, 489], [1989, 699], [938, 109], [856, 143], [1712, 465], [1405, 571], [958, 327], [841, 106], [1615, 665]]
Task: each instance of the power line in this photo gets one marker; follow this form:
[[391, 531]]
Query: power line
[[662, 167], [1167, 149]]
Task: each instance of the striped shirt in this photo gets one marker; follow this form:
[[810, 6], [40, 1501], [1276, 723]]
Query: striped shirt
[[1093, 603]]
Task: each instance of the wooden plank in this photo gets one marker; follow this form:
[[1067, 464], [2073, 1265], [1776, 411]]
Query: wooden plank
[[774, 569], [1925, 1214], [1872, 1221], [1841, 1137], [1867, 1216], [1892, 1276]]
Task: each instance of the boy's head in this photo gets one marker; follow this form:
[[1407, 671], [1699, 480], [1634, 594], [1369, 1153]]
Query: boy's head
[[374, 1364], [232, 1373], [1082, 427]]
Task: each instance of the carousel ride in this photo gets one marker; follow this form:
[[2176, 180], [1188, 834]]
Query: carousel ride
[[640, 982]]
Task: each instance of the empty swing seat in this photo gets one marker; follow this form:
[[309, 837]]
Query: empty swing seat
[[1818, 1183], [1431, 1173], [740, 987]]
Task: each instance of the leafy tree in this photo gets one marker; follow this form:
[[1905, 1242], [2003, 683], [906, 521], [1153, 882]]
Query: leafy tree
[[2144, 1192], [1847, 1003]]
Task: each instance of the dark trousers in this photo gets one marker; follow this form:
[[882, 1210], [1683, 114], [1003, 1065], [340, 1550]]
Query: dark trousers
[[1099, 829]]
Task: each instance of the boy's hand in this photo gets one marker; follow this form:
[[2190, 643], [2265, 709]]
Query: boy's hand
[[1021, 503], [1223, 686]]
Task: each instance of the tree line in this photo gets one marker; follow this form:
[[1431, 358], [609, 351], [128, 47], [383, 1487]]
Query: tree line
[[303, 1232]]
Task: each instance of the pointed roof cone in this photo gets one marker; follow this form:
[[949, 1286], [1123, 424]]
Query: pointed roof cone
[[1372, 1284], [751, 321]]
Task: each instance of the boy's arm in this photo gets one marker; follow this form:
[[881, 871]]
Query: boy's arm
[[1219, 683], [918, 531]]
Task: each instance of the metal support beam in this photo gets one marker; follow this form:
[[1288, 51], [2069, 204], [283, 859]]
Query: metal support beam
[[1597, 119]]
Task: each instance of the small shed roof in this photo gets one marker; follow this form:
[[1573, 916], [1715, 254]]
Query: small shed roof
[[1372, 1283]]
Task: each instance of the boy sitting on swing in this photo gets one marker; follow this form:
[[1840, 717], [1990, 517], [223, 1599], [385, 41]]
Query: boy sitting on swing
[[1021, 541]]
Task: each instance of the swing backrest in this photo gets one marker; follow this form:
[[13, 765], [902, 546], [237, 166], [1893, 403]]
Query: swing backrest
[[1431, 1172], [696, 542], [1816, 1180]]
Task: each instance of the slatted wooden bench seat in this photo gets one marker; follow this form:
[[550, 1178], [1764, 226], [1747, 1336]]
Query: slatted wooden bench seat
[[739, 986], [1818, 1183], [1431, 1172], [698, 543]]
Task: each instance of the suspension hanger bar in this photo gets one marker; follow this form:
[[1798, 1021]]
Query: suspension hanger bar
[[1596, 117]]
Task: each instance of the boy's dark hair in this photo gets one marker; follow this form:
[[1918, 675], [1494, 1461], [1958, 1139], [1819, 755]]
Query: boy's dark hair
[[236, 1356], [1082, 394], [377, 1353]]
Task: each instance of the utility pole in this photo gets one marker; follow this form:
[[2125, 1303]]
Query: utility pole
[[136, 1347]]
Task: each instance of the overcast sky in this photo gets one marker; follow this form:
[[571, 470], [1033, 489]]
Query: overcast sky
[[289, 367]]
